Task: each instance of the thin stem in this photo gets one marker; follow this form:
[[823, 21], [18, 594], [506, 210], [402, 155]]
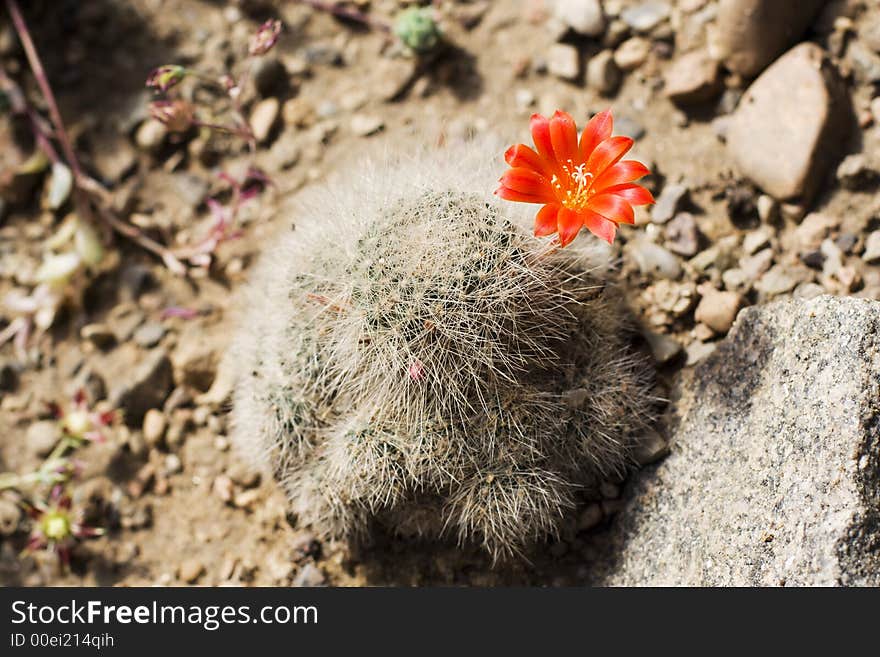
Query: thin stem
[[36, 65], [348, 14]]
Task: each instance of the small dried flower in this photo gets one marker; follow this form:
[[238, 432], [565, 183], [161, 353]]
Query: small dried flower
[[177, 115], [82, 423], [581, 184], [165, 77], [56, 527], [265, 38]]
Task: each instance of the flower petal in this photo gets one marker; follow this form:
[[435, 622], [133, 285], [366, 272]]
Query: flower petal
[[546, 220], [599, 226], [635, 194], [598, 130], [540, 127], [622, 172], [568, 224], [608, 153], [612, 207], [512, 195], [521, 155], [527, 181], [563, 136]]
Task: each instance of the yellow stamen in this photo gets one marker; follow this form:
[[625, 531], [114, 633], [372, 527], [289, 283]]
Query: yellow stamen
[[575, 194]]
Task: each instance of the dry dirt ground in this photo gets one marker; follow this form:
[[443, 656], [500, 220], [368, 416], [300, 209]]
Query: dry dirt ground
[[180, 509]]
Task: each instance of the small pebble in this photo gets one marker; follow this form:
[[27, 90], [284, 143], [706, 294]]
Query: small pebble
[[190, 570]]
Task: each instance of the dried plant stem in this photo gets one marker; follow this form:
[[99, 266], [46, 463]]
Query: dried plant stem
[[89, 195], [348, 14], [43, 82]]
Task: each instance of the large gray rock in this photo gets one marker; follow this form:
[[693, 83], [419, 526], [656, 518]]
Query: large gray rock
[[752, 33], [774, 475], [791, 124]]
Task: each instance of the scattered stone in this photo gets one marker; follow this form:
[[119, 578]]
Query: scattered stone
[[172, 466], [668, 203], [524, 99], [697, 351], [364, 125], [752, 33], [757, 239], [855, 173], [190, 570], [773, 439], [682, 235], [393, 77], [42, 437], [99, 335], [757, 264], [632, 53], [244, 476], [564, 61], [323, 54], [812, 230], [603, 75], [782, 148], [702, 332], [270, 76], [583, 16], [663, 347], [782, 278], [627, 126], [693, 78], [589, 518], [223, 488], [872, 247], [309, 575], [146, 387], [650, 449], [9, 372], [865, 63], [645, 16], [655, 260], [246, 499], [263, 118], [150, 136], [768, 208], [875, 109], [717, 309], [808, 291], [846, 242], [149, 335], [154, 427], [195, 360]]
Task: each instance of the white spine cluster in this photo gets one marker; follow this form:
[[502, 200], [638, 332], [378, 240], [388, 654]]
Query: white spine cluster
[[410, 355]]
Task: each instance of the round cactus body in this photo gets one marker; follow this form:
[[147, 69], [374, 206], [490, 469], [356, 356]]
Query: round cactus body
[[410, 355]]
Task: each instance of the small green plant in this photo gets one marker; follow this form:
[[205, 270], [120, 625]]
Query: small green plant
[[412, 356]]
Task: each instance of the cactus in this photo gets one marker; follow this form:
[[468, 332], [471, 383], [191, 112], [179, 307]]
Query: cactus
[[411, 356], [417, 29]]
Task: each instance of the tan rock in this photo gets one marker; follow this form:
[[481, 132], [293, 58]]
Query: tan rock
[[776, 143]]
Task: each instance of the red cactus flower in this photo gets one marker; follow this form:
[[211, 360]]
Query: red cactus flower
[[582, 184]]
